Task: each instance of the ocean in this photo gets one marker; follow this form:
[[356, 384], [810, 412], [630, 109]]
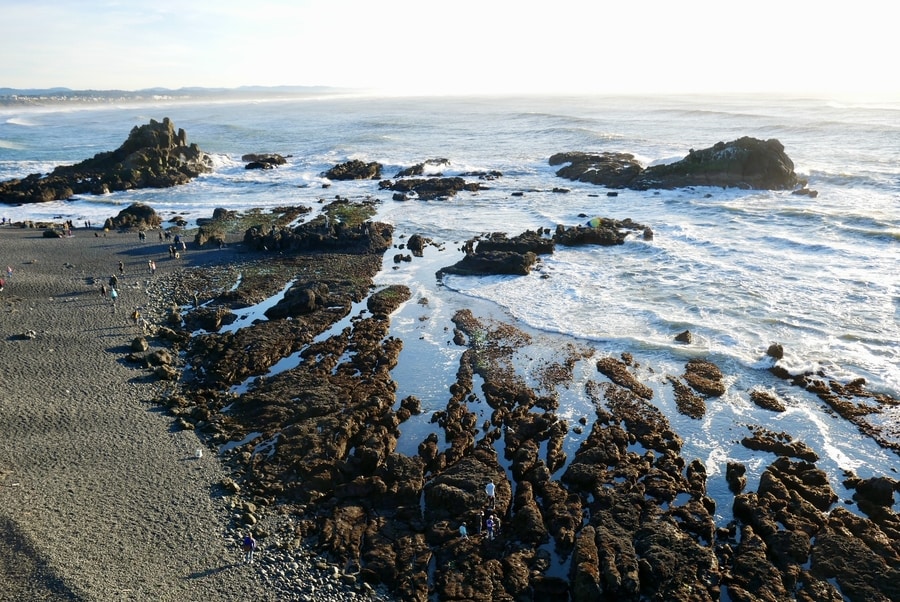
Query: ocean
[[740, 269]]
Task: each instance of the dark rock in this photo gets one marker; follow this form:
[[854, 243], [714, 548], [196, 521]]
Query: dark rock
[[780, 444], [581, 235], [775, 350], [387, 300], [429, 188], [416, 244], [419, 168], [735, 475], [263, 160], [617, 372], [744, 163], [876, 492], [493, 262], [687, 402], [354, 170], [613, 170], [299, 300], [766, 400], [153, 156], [322, 235], [684, 337], [165, 372], [705, 377], [210, 319], [135, 216], [529, 241]]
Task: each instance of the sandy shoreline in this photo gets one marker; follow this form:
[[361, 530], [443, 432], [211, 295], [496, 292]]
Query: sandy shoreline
[[100, 498]]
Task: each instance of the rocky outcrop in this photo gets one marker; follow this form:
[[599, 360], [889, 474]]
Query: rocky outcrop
[[327, 232], [419, 168], [135, 216], [354, 169], [316, 444], [429, 189], [613, 170], [263, 160], [747, 163], [153, 156], [497, 253], [492, 262], [795, 545], [780, 444]]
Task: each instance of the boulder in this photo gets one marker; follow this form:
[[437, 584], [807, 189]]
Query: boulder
[[263, 160], [492, 262], [354, 170], [136, 216]]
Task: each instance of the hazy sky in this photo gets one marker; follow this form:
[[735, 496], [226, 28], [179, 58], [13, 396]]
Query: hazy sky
[[456, 46]]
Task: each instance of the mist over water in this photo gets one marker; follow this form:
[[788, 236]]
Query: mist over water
[[739, 269]]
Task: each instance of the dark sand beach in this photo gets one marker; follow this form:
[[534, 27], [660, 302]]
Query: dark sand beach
[[100, 497]]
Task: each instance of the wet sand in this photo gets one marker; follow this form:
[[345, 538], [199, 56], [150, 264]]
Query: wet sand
[[100, 497]]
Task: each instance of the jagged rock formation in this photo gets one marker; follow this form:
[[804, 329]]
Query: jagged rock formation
[[627, 509], [153, 156]]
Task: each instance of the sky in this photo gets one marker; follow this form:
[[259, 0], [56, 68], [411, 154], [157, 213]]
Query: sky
[[455, 47]]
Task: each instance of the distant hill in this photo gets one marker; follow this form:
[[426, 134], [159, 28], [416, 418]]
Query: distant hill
[[49, 95]]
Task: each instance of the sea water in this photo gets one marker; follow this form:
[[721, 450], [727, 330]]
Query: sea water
[[740, 269]]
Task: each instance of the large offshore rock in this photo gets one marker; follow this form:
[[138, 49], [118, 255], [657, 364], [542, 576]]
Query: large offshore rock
[[747, 163], [153, 156]]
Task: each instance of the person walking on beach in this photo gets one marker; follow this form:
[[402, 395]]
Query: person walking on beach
[[113, 295], [248, 545], [113, 281], [151, 265], [121, 268]]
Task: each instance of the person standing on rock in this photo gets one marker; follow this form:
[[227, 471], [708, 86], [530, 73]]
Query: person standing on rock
[[248, 545], [463, 532], [489, 524], [490, 490]]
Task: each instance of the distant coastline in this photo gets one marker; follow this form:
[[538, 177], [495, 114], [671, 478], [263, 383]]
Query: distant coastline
[[52, 96]]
